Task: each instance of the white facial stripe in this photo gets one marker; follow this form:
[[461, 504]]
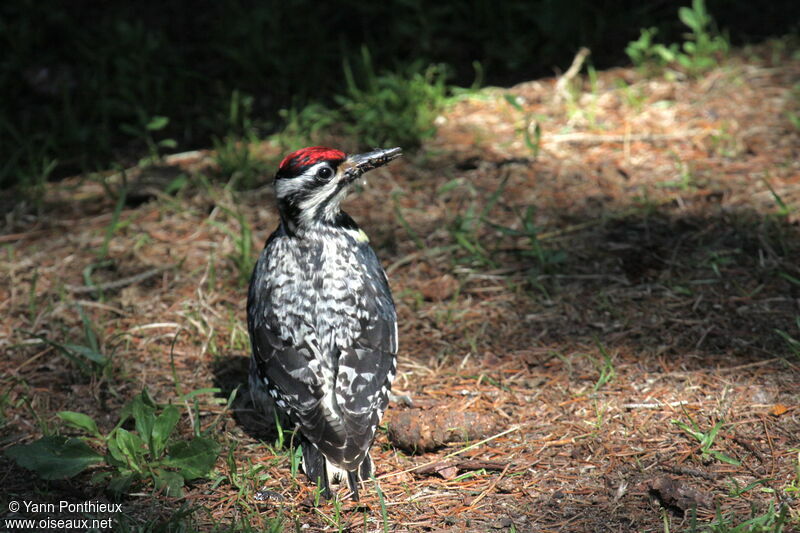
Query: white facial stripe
[[288, 186], [309, 206]]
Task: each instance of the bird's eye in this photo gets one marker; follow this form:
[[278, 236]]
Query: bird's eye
[[325, 173]]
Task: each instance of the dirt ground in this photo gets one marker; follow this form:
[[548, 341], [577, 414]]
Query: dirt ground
[[573, 313]]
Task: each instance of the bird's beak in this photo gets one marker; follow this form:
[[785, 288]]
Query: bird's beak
[[357, 164]]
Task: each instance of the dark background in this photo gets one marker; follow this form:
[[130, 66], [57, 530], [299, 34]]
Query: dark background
[[77, 79]]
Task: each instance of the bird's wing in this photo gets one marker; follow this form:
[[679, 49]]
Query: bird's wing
[[288, 368], [367, 368]]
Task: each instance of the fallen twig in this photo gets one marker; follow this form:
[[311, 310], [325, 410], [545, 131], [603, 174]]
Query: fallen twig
[[491, 487], [463, 466], [453, 454], [655, 405], [116, 284], [598, 138], [572, 71]]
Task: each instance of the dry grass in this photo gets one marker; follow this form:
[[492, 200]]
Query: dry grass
[[665, 268]]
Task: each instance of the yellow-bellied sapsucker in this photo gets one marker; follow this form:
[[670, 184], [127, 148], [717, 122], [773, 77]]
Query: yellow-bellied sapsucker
[[321, 318]]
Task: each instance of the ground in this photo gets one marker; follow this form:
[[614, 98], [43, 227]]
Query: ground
[[614, 295]]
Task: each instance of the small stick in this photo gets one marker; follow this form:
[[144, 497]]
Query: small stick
[[463, 465], [653, 405], [11, 237], [572, 71], [593, 138], [677, 469], [116, 284], [455, 453], [491, 487], [155, 325]]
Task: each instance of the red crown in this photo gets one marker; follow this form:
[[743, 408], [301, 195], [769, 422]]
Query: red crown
[[306, 157]]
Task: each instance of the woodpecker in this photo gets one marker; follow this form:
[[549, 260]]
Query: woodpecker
[[321, 317]]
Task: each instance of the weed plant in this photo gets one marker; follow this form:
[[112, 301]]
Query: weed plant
[[699, 53], [150, 452]]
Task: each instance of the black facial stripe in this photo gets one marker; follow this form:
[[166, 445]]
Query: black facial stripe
[[321, 208]]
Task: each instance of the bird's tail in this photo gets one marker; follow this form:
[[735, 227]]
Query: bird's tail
[[322, 472]]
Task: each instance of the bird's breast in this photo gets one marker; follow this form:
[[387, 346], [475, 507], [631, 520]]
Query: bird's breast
[[318, 290]]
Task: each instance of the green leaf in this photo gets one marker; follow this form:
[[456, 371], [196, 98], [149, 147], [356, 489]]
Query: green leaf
[[171, 482], [162, 429], [147, 399], [194, 458], [168, 143], [158, 122], [688, 17], [131, 446], [130, 129], [145, 416], [207, 390], [512, 101], [116, 457], [87, 352], [80, 421], [121, 483], [100, 478], [88, 331], [54, 457], [724, 458]]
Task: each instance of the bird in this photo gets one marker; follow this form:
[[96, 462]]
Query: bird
[[321, 318]]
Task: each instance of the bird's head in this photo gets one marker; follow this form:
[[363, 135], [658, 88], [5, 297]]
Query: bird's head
[[312, 182]]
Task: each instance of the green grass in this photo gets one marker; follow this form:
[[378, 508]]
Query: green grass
[[700, 52], [706, 440], [391, 108], [243, 256], [376, 108], [772, 520], [88, 355]]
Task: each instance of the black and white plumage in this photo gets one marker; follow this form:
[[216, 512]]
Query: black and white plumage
[[321, 318]]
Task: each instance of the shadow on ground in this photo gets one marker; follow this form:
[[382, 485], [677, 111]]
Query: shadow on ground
[[654, 280]]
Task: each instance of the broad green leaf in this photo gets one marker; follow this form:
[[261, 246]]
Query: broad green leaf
[[80, 421], [171, 482], [162, 429], [144, 416], [194, 458], [688, 17], [131, 446], [130, 129], [87, 352], [120, 483], [55, 457], [100, 478], [116, 456], [158, 122], [147, 399]]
